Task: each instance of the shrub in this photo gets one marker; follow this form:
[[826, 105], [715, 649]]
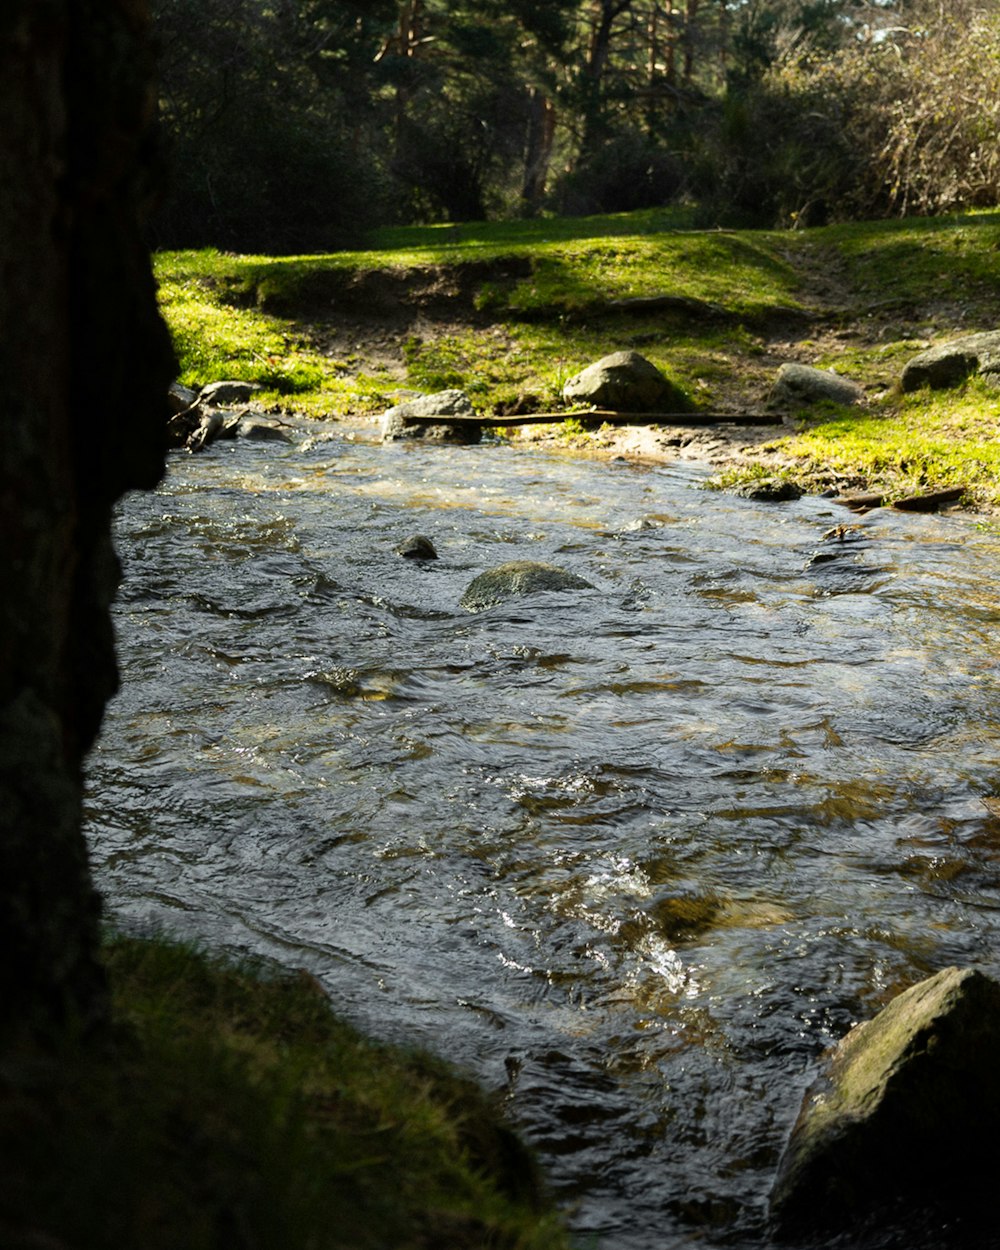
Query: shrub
[[905, 124]]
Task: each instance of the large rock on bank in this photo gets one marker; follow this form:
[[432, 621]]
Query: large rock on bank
[[220, 394], [517, 577], [625, 382], [949, 364], [904, 1115]]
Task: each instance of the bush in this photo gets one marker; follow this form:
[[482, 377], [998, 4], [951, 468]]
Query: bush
[[626, 172], [903, 125]]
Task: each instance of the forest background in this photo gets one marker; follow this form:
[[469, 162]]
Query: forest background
[[298, 125]]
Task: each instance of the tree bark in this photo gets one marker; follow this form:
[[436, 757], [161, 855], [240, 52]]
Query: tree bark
[[539, 139], [84, 366]]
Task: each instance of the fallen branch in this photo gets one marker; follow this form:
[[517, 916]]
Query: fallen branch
[[600, 415]]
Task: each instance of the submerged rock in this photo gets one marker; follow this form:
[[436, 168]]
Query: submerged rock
[[897, 1120], [803, 384], [517, 577], [625, 382], [261, 430], [417, 547]]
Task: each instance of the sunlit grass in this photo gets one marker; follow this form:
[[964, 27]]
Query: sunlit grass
[[917, 262], [923, 441], [531, 309]]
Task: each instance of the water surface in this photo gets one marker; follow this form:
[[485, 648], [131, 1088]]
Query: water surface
[[633, 855]]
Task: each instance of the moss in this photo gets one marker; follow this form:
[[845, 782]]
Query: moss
[[909, 444], [525, 305], [233, 1109]]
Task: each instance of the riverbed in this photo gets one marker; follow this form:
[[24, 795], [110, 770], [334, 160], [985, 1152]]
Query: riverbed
[[632, 855]]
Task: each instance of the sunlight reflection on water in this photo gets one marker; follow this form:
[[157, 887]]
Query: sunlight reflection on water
[[649, 848]]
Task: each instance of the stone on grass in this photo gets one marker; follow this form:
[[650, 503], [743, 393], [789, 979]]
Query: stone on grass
[[803, 384], [949, 364], [517, 577], [903, 1116], [770, 490], [625, 382]]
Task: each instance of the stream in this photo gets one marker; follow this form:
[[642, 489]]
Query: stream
[[633, 855]]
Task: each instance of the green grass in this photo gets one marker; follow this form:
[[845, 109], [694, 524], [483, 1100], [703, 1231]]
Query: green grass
[[525, 305], [921, 442], [918, 264], [530, 233], [232, 1109], [261, 319]]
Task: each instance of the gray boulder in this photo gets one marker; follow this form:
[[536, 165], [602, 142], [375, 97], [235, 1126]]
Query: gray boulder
[[803, 384], [951, 363], [517, 577], [770, 490], [412, 419], [181, 398], [899, 1115], [625, 382], [261, 430], [219, 394]]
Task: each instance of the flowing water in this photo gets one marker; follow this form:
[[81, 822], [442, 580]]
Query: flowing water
[[633, 855]]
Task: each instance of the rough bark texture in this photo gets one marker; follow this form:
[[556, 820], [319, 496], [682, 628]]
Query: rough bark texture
[[77, 303]]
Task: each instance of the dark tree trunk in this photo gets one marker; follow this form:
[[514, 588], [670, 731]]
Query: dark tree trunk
[[84, 365], [539, 139], [593, 79]]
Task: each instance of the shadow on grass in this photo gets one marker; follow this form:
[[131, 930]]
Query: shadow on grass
[[231, 1109]]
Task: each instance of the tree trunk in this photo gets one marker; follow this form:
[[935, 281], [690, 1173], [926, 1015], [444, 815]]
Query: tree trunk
[[84, 365], [538, 149], [597, 62], [690, 40]]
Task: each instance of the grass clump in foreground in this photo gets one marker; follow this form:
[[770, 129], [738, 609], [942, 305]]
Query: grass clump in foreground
[[232, 1109]]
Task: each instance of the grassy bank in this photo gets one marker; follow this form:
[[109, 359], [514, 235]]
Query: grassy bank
[[232, 1110], [508, 311]]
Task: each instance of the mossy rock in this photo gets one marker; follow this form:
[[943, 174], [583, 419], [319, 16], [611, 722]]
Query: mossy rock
[[625, 382], [516, 578], [896, 1122]]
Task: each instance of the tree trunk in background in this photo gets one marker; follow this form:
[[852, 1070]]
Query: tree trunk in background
[[598, 53], [538, 143], [84, 366], [691, 37]]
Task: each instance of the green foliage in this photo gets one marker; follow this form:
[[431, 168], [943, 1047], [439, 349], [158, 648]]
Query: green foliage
[[297, 126], [898, 125], [263, 109], [234, 1109]]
